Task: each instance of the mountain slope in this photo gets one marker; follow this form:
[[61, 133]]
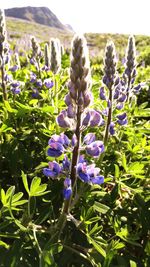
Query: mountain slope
[[41, 15]]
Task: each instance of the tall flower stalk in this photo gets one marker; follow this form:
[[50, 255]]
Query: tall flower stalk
[[55, 65], [36, 55], [130, 66], [109, 81], [79, 87], [3, 52], [46, 55], [77, 117]]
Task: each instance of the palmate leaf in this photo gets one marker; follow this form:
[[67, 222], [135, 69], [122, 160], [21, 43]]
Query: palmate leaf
[[36, 189]]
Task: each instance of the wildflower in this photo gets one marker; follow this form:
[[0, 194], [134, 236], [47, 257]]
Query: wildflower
[[48, 83], [111, 128], [67, 188], [95, 148], [89, 174], [53, 170]]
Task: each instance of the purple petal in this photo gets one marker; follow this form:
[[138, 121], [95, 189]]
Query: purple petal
[[98, 180], [67, 193], [122, 116], [89, 138]]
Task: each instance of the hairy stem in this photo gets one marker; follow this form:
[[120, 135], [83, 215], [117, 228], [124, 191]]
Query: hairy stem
[[109, 118], [3, 83], [75, 157]]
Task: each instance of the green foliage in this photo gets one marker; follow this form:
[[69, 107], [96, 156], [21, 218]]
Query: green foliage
[[109, 224]]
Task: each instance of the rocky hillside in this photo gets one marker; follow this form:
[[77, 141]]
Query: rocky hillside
[[41, 15]]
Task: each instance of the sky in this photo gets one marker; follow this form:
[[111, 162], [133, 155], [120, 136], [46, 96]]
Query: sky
[[101, 16]]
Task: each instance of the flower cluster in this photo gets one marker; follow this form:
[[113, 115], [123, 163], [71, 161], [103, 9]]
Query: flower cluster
[[37, 84], [77, 117], [113, 92], [55, 55], [61, 144], [130, 72]]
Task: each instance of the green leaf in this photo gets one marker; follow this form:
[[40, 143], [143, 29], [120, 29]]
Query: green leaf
[[17, 196], [3, 197], [97, 247], [124, 162], [133, 263], [100, 207], [25, 182], [34, 185], [9, 108], [117, 171], [41, 191], [3, 244]]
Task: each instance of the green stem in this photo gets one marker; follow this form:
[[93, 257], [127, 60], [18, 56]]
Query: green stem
[[74, 162], [128, 92], [3, 83], [109, 119]]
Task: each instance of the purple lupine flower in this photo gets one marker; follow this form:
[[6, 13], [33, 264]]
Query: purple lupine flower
[[8, 78], [55, 150], [89, 138], [15, 84], [117, 81], [66, 163], [89, 174], [111, 128], [122, 122], [81, 159], [95, 148], [65, 140], [74, 140], [63, 120], [71, 111], [80, 101], [68, 100], [33, 77], [72, 90], [95, 118], [88, 98], [53, 170], [122, 116], [33, 61], [86, 119], [45, 68], [14, 68], [48, 83], [35, 93], [7, 59], [137, 88], [62, 139], [105, 112], [15, 90], [122, 98], [116, 94], [93, 172], [39, 83], [109, 103], [106, 80], [82, 172], [119, 106], [102, 94], [67, 188]]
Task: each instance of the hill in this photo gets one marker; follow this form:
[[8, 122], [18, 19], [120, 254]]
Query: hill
[[40, 15]]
